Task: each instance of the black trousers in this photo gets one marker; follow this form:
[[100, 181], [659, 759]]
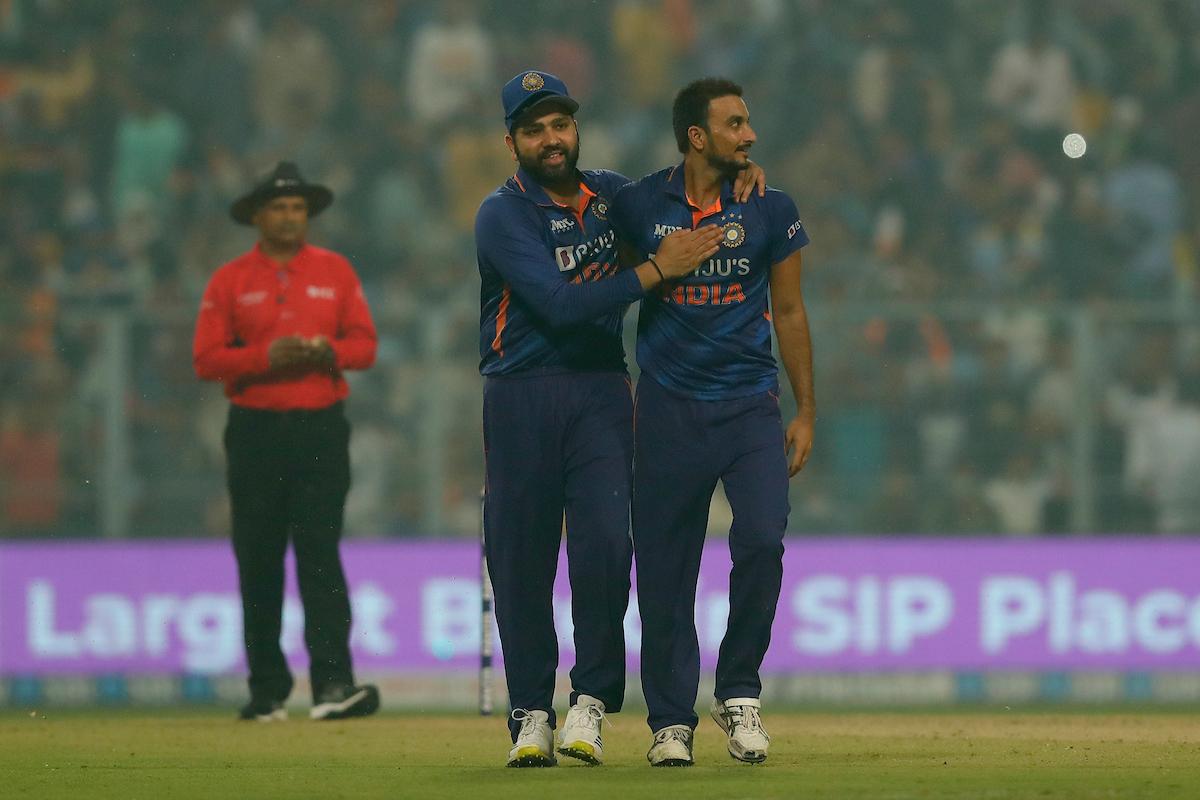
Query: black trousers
[[288, 476]]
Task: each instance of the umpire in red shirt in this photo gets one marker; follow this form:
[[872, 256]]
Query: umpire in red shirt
[[278, 326]]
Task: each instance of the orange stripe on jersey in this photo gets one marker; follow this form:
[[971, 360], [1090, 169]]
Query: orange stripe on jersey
[[698, 214], [767, 316], [585, 197], [517, 178], [501, 321]]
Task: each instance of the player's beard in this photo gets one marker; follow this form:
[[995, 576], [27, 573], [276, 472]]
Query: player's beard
[[728, 167], [551, 175]]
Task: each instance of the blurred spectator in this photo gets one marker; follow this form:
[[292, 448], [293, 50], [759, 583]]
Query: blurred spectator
[[1018, 495], [895, 87], [1145, 203], [149, 146], [476, 161], [451, 66], [997, 409], [643, 47], [31, 464], [1164, 460], [294, 76], [1032, 80], [216, 105]]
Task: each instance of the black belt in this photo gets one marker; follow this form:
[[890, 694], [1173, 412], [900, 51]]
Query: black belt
[[292, 413]]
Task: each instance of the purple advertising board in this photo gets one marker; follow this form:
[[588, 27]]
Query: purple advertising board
[[846, 604]]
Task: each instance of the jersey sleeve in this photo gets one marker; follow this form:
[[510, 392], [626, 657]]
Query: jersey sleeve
[[507, 240], [784, 228], [356, 342], [217, 355], [623, 217]]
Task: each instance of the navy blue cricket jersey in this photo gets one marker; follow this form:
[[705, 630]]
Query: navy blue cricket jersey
[[708, 336], [541, 308]]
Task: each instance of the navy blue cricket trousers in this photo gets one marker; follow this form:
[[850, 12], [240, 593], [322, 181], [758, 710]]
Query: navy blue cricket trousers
[[683, 447], [558, 444]]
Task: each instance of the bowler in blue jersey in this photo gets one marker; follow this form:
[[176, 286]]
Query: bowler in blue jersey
[[558, 415], [707, 410]]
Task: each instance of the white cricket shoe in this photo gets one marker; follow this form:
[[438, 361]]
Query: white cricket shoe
[[580, 734], [672, 747], [344, 701], [535, 741], [739, 718]]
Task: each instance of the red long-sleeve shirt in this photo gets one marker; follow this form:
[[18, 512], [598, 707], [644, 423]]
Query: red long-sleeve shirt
[[252, 301]]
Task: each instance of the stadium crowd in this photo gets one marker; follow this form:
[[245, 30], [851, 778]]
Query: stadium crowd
[[1004, 336]]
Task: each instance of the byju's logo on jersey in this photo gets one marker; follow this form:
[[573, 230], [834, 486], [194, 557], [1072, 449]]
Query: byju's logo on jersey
[[569, 258], [565, 257], [561, 225]]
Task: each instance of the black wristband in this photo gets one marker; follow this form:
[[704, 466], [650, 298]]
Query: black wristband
[[657, 269]]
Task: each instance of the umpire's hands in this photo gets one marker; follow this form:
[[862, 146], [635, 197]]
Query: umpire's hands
[[288, 352], [299, 353], [681, 251], [321, 354]]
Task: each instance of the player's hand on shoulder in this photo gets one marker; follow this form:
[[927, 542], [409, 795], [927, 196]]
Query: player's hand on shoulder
[[748, 181], [683, 250]]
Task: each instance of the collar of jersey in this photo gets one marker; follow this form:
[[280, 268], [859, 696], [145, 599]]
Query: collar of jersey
[[291, 265], [677, 188], [537, 193]]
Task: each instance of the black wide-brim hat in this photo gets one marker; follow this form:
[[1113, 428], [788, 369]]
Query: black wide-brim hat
[[284, 181]]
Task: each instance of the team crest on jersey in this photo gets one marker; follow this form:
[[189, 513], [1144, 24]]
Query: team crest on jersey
[[600, 208], [734, 234], [532, 82]]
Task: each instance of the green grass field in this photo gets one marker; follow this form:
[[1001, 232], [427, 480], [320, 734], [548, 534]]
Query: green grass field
[[829, 754]]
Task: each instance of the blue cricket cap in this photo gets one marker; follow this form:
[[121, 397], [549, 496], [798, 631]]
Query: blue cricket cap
[[531, 87]]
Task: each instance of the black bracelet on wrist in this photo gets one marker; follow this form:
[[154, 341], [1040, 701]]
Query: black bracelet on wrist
[[657, 269]]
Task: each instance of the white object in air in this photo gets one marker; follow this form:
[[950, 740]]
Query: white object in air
[[1074, 145]]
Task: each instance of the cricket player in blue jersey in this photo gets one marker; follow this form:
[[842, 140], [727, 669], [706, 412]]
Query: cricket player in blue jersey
[[707, 410], [558, 415]]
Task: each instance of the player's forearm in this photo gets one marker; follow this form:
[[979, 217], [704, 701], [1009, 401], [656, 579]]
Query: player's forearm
[[649, 275], [573, 303], [795, 351]]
